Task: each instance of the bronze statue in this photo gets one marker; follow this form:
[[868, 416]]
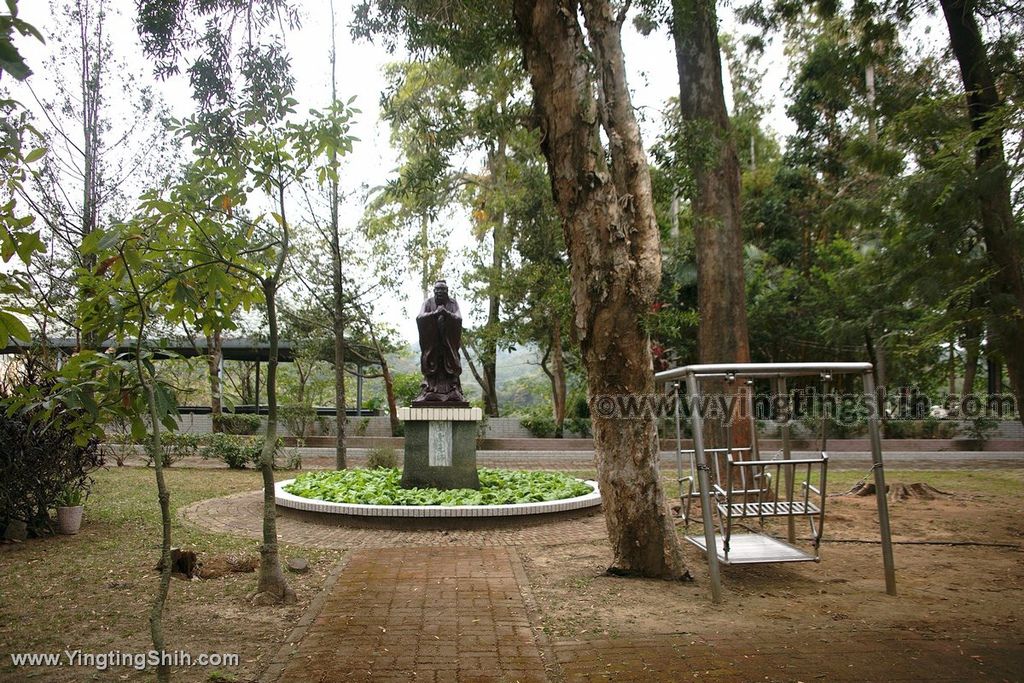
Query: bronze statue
[[440, 329]]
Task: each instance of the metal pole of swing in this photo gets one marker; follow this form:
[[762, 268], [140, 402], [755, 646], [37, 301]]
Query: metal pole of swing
[[677, 388], [705, 489], [788, 471], [874, 415]]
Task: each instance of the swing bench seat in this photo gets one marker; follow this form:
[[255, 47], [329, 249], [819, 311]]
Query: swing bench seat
[[751, 489], [754, 548]]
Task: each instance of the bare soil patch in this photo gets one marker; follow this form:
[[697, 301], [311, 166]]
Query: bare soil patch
[[957, 615]]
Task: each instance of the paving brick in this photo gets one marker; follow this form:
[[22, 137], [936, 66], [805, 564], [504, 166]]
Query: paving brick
[[371, 633]]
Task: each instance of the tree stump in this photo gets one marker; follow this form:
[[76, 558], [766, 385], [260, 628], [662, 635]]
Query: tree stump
[[898, 491]]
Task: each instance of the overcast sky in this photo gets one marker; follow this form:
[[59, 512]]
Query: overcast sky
[[651, 72]]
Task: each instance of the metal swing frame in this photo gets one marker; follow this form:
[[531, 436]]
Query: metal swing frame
[[758, 494]]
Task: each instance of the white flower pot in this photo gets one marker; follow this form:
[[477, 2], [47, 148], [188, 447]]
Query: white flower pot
[[69, 519]]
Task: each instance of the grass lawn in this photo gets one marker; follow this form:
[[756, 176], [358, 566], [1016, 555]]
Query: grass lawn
[[92, 591]]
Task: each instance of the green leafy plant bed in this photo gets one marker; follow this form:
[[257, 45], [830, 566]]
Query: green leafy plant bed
[[381, 487]]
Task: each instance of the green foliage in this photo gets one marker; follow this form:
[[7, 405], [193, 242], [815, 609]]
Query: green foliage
[[11, 61], [578, 425], [382, 458], [42, 455], [407, 387], [237, 423], [72, 496], [539, 420], [981, 428], [175, 446], [300, 418], [381, 487], [234, 450]]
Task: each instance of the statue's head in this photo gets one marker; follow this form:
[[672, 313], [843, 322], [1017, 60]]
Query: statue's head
[[441, 292]]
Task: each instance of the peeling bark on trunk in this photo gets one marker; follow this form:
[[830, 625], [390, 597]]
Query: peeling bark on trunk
[[999, 231], [718, 233], [612, 239]]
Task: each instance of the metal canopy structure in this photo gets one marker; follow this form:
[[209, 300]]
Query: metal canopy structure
[[745, 486], [249, 350], [232, 349]]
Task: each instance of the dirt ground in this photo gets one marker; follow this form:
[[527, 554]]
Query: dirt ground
[[957, 615]]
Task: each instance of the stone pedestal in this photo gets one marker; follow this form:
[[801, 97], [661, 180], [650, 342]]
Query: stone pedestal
[[440, 447]]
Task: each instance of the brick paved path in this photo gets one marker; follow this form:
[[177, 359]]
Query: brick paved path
[[428, 614]]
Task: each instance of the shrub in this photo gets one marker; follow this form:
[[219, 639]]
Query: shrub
[[300, 418], [406, 386], [361, 427], [237, 423], [539, 421], [578, 425], [381, 458], [235, 450], [175, 446], [981, 428], [39, 460]]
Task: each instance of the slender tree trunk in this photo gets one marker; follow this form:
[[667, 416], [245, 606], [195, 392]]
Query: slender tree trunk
[[721, 289], [272, 586], [952, 366], [92, 68], [489, 357], [339, 290], [612, 238], [999, 231], [156, 627], [556, 375], [156, 611], [389, 392], [214, 348]]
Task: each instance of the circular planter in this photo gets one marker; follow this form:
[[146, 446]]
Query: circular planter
[[435, 516], [69, 519]]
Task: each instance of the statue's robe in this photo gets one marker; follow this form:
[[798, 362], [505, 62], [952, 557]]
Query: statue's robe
[[440, 341]]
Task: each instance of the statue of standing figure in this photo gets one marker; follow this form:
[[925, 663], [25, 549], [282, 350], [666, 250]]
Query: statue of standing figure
[[440, 329]]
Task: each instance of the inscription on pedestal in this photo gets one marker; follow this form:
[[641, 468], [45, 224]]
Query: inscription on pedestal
[[440, 443], [440, 448]]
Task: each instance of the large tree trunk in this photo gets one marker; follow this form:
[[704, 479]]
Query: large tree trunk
[[1000, 233], [715, 203], [612, 238], [214, 353]]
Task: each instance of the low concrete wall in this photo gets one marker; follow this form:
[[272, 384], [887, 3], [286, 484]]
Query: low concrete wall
[[506, 433], [768, 446]]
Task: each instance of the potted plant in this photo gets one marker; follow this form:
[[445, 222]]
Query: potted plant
[[70, 505]]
